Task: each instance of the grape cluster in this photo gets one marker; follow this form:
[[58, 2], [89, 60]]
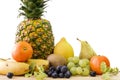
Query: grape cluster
[[78, 66], [58, 72]]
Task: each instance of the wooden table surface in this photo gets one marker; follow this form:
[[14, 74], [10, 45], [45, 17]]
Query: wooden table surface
[[117, 77]]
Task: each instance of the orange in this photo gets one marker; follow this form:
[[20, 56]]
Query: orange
[[22, 51], [95, 63]]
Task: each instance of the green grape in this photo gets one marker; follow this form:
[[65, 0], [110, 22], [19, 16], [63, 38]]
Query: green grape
[[79, 70], [70, 59], [76, 60], [82, 63], [85, 72], [70, 65], [87, 61], [73, 70], [88, 67]]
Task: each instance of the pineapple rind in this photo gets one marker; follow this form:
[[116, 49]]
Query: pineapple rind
[[38, 33]]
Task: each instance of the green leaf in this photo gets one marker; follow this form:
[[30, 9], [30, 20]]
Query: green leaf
[[103, 67], [32, 67], [106, 76], [28, 75], [115, 70], [31, 5]]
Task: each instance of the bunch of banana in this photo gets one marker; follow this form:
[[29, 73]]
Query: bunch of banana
[[20, 68], [17, 68]]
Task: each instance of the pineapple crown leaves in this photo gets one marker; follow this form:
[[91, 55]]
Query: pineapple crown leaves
[[32, 8]]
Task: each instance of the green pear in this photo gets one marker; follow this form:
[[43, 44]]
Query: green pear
[[86, 50]]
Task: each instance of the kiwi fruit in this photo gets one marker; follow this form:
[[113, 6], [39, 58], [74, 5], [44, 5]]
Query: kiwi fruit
[[56, 60]]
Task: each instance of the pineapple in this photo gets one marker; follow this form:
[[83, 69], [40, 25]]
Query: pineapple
[[34, 29]]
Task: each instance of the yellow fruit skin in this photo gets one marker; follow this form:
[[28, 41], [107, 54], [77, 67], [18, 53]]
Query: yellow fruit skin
[[17, 68], [39, 62], [86, 50], [64, 48]]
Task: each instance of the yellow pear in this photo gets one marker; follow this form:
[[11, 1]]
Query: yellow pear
[[86, 50], [64, 48]]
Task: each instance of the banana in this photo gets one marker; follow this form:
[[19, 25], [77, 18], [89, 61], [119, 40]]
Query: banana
[[17, 68], [39, 62]]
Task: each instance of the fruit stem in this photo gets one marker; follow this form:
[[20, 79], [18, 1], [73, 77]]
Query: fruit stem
[[78, 39]]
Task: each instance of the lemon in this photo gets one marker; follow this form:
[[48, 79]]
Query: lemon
[[64, 48]]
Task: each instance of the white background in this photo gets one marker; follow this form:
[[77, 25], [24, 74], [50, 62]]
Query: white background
[[96, 21]]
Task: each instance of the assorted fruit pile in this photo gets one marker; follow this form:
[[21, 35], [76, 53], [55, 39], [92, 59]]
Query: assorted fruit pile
[[35, 55], [58, 64]]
